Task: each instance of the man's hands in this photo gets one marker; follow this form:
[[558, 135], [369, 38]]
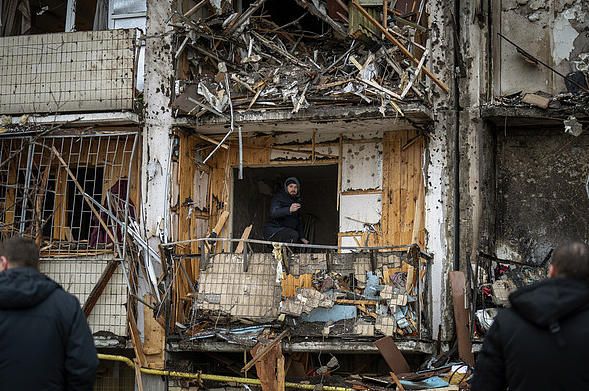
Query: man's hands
[[305, 241], [294, 207]]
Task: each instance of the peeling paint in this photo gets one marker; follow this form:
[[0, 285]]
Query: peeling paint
[[564, 34]]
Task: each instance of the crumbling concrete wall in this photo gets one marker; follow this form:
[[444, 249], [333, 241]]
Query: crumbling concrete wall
[[439, 196], [158, 116], [555, 32]]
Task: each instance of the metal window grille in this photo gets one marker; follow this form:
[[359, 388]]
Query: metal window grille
[[71, 194], [66, 190]]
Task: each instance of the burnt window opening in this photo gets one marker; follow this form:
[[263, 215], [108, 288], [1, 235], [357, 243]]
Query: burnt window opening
[[319, 215], [282, 12], [79, 214]]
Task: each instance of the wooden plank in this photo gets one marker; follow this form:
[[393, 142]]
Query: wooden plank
[[398, 44], [392, 355], [137, 346], [154, 345], [412, 191], [244, 235], [403, 191], [458, 285], [280, 374], [395, 184], [98, 288], [261, 353], [397, 382], [418, 219]]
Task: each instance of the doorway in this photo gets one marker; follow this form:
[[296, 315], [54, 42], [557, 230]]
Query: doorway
[[253, 193]]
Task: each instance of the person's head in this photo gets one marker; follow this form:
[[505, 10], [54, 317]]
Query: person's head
[[18, 251], [291, 186], [571, 260]]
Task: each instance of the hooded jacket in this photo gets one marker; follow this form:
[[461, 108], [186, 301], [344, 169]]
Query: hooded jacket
[[45, 341], [541, 342], [280, 215]]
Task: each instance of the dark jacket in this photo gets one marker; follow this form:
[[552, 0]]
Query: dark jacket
[[541, 342], [281, 217], [45, 341]]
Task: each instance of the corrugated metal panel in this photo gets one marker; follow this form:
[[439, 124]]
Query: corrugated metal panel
[[67, 72]]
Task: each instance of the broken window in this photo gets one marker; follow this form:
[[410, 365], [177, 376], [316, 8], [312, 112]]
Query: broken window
[[70, 192]]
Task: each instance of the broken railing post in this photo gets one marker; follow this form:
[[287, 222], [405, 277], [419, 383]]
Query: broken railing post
[[245, 258], [204, 258]]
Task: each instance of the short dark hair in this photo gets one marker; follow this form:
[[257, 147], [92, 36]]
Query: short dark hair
[[571, 260], [20, 252]]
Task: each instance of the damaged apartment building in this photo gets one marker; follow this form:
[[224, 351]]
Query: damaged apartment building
[[440, 149]]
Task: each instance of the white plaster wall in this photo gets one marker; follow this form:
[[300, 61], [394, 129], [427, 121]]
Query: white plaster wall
[[361, 166], [363, 207]]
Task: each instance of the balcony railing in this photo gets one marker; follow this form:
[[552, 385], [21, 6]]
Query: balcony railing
[[68, 72]]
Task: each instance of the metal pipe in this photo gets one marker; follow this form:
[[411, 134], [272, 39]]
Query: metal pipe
[[128, 191], [23, 212], [203, 376], [317, 246], [218, 146]]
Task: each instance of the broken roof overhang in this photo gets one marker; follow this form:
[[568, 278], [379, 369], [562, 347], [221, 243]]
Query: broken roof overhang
[[272, 73], [343, 119], [529, 116]]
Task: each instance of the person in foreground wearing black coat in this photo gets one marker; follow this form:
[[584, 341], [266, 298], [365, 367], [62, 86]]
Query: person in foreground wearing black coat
[[541, 342], [45, 341], [284, 223]]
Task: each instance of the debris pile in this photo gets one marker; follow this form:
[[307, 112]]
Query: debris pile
[[241, 61], [496, 279]]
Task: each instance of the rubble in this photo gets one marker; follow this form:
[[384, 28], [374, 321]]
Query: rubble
[[263, 66]]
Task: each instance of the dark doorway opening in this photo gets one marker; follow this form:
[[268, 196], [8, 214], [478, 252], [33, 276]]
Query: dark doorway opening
[[319, 215]]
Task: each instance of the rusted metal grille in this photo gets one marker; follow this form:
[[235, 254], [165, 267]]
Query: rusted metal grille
[[69, 192]]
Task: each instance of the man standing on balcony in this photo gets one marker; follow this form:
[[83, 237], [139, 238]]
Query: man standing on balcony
[[541, 341], [45, 341], [284, 224]]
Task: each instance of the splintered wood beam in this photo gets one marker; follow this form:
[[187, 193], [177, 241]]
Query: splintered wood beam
[[245, 235], [137, 346], [243, 17], [398, 44], [264, 351], [191, 11], [99, 287]]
